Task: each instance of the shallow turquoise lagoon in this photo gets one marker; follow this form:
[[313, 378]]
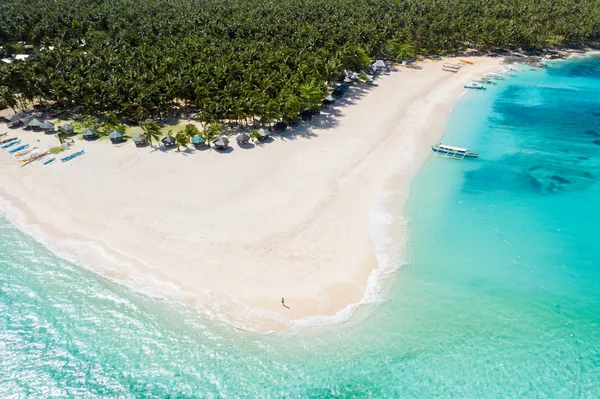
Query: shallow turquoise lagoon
[[499, 297]]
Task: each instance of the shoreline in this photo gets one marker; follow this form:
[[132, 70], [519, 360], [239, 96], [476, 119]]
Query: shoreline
[[382, 154]]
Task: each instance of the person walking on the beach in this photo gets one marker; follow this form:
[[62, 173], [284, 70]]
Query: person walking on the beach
[[283, 303]]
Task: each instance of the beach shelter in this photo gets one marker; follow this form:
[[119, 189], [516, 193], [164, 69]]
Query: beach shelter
[[379, 65], [329, 100], [46, 125], [347, 80], [116, 136], [221, 143], [355, 76], [263, 134], [35, 122], [24, 120], [197, 140], [280, 126], [67, 128], [139, 139], [89, 134], [242, 139], [169, 141]]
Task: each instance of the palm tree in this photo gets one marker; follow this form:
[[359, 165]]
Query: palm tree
[[182, 139], [152, 130]]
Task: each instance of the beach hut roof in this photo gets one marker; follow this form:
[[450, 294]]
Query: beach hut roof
[[347, 80], [263, 132], [221, 141], [355, 76], [15, 117], [26, 119], [197, 139], [67, 127], [242, 137], [88, 133], [115, 134], [35, 122], [47, 125], [139, 138], [329, 98], [379, 64], [169, 140]]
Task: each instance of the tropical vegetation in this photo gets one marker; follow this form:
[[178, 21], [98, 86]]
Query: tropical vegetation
[[246, 61]]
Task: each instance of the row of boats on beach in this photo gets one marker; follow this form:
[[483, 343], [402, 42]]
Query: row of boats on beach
[[26, 154]]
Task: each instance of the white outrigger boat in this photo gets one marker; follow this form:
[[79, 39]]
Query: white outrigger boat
[[474, 86], [448, 151]]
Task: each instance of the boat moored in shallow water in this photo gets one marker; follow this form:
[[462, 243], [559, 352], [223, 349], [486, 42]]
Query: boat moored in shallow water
[[452, 152], [474, 86]]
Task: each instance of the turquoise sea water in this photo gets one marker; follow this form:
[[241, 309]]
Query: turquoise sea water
[[500, 297]]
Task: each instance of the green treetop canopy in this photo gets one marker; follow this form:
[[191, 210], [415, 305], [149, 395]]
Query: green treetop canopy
[[67, 128], [88, 133], [197, 140], [115, 134], [47, 125]]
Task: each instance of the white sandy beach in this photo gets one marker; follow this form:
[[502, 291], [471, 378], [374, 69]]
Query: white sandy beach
[[238, 230]]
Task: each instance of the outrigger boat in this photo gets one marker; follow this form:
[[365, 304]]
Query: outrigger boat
[[474, 86], [24, 152], [8, 140], [19, 148], [34, 157], [49, 161], [466, 61], [451, 152], [451, 66], [14, 142], [65, 159], [449, 70], [3, 134]]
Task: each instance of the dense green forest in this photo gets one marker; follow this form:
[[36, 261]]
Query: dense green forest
[[244, 59]]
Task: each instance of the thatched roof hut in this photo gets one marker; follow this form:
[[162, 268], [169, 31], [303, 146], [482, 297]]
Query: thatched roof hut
[[169, 141], [67, 128], [221, 143], [116, 136], [139, 139], [89, 134], [197, 140], [47, 125], [242, 139], [35, 123]]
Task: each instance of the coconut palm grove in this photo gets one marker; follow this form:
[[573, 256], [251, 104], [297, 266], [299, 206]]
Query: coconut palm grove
[[239, 60]]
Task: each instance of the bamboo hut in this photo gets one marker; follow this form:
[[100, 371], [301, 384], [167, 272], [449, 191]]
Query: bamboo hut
[[221, 143], [198, 141], [139, 140], [242, 139], [169, 141], [116, 136], [89, 134]]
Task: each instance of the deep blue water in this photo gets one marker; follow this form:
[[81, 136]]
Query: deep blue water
[[500, 297]]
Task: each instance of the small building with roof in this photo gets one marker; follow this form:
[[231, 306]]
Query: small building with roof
[[89, 134], [169, 141], [139, 140], [116, 136], [242, 139], [221, 143]]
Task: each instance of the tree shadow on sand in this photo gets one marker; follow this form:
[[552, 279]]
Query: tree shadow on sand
[[329, 116]]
